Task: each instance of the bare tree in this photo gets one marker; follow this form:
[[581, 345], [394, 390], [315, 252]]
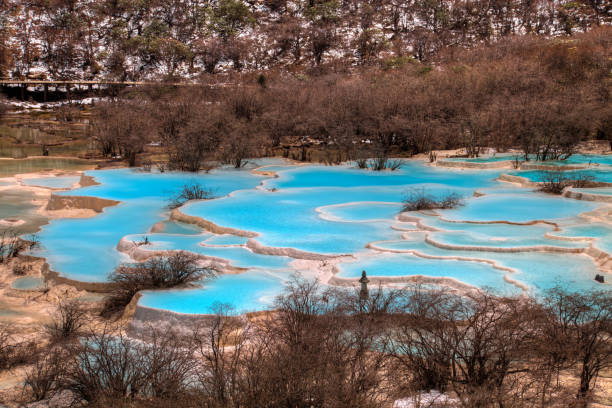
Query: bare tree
[[178, 269], [69, 319], [584, 323]]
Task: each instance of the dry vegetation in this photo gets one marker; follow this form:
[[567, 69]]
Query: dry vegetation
[[541, 96], [167, 39], [555, 182], [179, 269], [193, 191], [333, 348], [418, 199]]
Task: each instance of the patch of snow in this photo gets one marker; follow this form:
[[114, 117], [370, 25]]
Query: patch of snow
[[430, 399]]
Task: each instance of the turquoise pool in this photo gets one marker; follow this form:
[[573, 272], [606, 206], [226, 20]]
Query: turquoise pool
[[324, 212]]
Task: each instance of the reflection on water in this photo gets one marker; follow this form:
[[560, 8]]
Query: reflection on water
[[10, 167], [18, 205]]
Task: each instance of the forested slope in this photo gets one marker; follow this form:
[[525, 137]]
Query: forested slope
[[158, 39]]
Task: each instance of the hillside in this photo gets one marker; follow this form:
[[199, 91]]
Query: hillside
[[187, 39]]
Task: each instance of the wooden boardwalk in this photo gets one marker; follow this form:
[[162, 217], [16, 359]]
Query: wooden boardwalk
[[91, 85], [34, 82]]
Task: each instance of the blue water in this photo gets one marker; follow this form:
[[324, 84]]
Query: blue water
[[477, 274], [538, 270], [225, 240], [598, 174], [84, 249], [461, 238], [247, 292], [601, 233], [362, 212], [518, 208], [173, 227], [322, 210], [604, 160], [237, 255]]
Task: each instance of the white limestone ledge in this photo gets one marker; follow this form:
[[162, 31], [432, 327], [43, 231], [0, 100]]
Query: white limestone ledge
[[258, 248], [177, 215], [505, 164], [586, 196]]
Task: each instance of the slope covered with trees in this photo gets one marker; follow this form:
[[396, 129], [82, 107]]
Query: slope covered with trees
[[541, 96], [157, 39]]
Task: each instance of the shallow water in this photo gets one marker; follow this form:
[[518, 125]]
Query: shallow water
[[329, 211], [604, 160], [477, 274], [10, 167], [250, 291], [599, 174], [52, 182], [18, 205], [173, 227], [518, 208], [28, 283]]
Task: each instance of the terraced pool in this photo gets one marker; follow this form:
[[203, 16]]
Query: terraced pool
[[266, 229]]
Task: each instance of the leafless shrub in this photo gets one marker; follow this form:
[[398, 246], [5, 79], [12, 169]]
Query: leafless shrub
[[121, 129], [67, 113], [221, 347], [111, 366], [418, 199], [314, 334], [384, 163], [475, 345], [47, 374], [194, 191], [578, 333], [582, 180], [433, 156], [554, 182], [107, 365], [14, 352], [179, 269], [336, 348], [69, 319], [11, 245], [169, 364]]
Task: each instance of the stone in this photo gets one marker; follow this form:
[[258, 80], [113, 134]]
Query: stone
[[599, 278], [63, 399]]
